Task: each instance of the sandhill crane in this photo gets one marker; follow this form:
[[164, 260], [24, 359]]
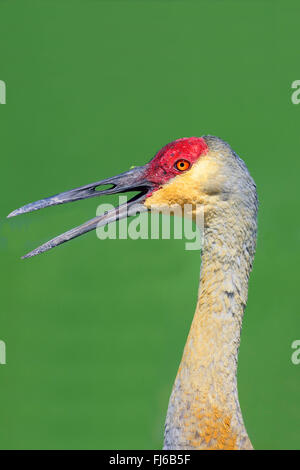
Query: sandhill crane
[[204, 410]]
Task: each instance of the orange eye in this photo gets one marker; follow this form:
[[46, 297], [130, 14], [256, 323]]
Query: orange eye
[[182, 165]]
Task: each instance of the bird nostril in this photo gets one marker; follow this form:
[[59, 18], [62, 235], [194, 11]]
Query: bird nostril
[[105, 187]]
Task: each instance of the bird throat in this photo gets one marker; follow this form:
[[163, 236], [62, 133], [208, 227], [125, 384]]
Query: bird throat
[[204, 410]]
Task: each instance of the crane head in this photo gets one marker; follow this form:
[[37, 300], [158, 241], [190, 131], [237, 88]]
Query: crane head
[[185, 171]]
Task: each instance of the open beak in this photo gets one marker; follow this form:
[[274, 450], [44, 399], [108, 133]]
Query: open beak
[[132, 180]]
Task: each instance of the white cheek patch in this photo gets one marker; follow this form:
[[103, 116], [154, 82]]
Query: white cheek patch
[[208, 175]]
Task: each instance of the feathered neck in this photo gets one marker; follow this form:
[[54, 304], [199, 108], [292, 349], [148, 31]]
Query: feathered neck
[[204, 410]]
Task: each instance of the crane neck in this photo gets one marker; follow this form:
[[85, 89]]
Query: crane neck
[[204, 410]]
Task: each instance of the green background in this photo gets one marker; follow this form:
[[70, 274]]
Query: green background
[[95, 329]]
